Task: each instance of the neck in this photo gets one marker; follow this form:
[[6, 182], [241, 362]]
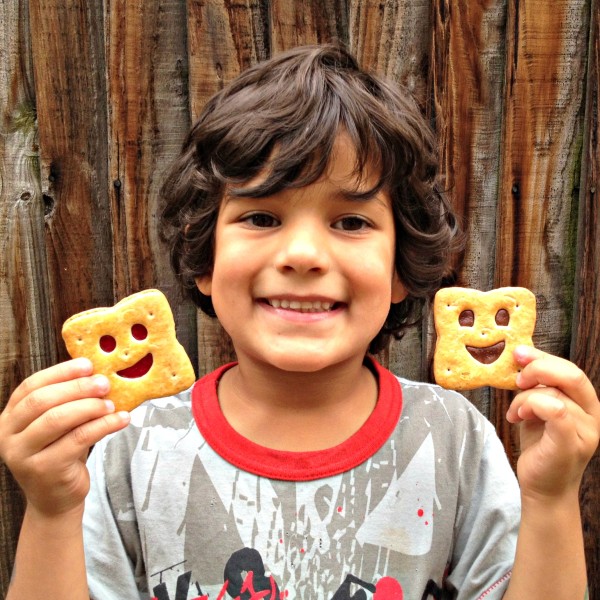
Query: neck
[[298, 411]]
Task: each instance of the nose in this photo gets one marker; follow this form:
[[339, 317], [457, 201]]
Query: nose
[[303, 248]]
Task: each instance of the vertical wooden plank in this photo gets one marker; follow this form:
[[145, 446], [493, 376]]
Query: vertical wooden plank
[[547, 49], [300, 23], [25, 344], [69, 70], [394, 39], [224, 38], [148, 112], [467, 75], [586, 331], [539, 177]]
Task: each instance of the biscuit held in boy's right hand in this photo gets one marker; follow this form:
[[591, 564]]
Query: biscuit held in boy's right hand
[[477, 333], [133, 343]]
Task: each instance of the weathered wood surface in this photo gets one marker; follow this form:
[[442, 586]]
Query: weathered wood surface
[[586, 332], [26, 343], [148, 118], [539, 177], [467, 85], [223, 40], [70, 86], [511, 88]]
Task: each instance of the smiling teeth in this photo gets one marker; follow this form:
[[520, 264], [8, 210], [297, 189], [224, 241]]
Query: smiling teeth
[[317, 306]]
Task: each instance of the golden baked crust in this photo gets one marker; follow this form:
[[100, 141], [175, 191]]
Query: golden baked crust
[[133, 343], [477, 333]]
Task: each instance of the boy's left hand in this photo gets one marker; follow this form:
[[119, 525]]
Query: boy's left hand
[[559, 414]]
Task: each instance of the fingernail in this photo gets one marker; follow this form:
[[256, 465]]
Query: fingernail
[[84, 364], [102, 384], [521, 351], [110, 405], [124, 416]]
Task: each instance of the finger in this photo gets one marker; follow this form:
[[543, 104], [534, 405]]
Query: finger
[[542, 407], [79, 440], [540, 368], [560, 416], [43, 399], [59, 421], [71, 369], [515, 410]]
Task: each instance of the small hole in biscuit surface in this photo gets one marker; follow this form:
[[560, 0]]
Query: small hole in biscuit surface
[[108, 343], [139, 332]]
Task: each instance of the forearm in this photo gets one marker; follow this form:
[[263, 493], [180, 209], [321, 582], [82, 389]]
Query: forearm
[[49, 562], [550, 558]]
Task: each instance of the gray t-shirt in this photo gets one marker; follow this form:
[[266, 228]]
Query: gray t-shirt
[[421, 499]]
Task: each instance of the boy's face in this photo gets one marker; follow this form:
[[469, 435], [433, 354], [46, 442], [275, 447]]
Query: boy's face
[[303, 280]]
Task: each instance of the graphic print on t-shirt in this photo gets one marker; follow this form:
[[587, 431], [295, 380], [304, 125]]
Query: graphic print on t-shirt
[[363, 520], [183, 513]]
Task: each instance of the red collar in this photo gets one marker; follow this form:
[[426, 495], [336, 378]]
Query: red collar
[[296, 466]]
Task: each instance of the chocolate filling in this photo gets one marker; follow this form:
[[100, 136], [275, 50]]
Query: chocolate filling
[[486, 355]]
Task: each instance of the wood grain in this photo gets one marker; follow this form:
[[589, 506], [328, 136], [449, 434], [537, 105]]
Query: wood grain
[[394, 39], [309, 22], [70, 85], [26, 343], [82, 154], [224, 38], [539, 176], [148, 110], [586, 332], [467, 75], [543, 126]]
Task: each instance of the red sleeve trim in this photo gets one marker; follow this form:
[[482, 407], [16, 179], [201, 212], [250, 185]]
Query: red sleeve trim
[[296, 466]]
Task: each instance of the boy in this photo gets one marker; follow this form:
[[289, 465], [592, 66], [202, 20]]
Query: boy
[[304, 213]]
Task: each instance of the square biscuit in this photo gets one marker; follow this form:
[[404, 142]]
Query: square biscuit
[[133, 343], [477, 333]]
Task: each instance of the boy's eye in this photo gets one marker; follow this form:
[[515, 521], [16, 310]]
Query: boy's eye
[[261, 220], [351, 223]]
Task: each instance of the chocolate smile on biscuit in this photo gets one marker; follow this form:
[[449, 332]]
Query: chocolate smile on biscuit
[[487, 355]]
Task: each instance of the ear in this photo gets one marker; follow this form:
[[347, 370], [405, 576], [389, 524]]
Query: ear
[[204, 284], [398, 290]]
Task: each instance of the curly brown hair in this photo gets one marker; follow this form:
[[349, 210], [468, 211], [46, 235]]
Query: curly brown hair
[[296, 103]]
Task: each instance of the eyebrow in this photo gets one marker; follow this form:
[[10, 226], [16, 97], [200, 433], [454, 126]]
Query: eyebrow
[[372, 194]]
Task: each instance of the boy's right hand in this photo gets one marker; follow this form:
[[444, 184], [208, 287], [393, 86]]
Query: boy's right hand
[[47, 428]]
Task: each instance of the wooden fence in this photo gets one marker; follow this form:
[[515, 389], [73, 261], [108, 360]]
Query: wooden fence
[[96, 96]]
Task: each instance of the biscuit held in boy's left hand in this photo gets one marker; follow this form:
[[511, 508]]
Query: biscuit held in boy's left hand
[[477, 333], [133, 343]]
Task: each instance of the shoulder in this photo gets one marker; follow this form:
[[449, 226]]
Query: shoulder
[[462, 436], [448, 408], [161, 422]]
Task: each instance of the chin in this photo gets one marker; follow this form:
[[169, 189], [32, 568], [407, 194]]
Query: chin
[[309, 362]]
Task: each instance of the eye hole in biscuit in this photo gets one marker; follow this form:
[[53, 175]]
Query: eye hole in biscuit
[[108, 343], [502, 317], [466, 318], [139, 332]]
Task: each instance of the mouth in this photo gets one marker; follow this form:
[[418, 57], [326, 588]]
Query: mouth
[[303, 306], [488, 354], [139, 369]]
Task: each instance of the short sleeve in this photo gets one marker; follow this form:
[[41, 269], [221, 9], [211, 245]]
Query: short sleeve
[[487, 527], [111, 571]]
